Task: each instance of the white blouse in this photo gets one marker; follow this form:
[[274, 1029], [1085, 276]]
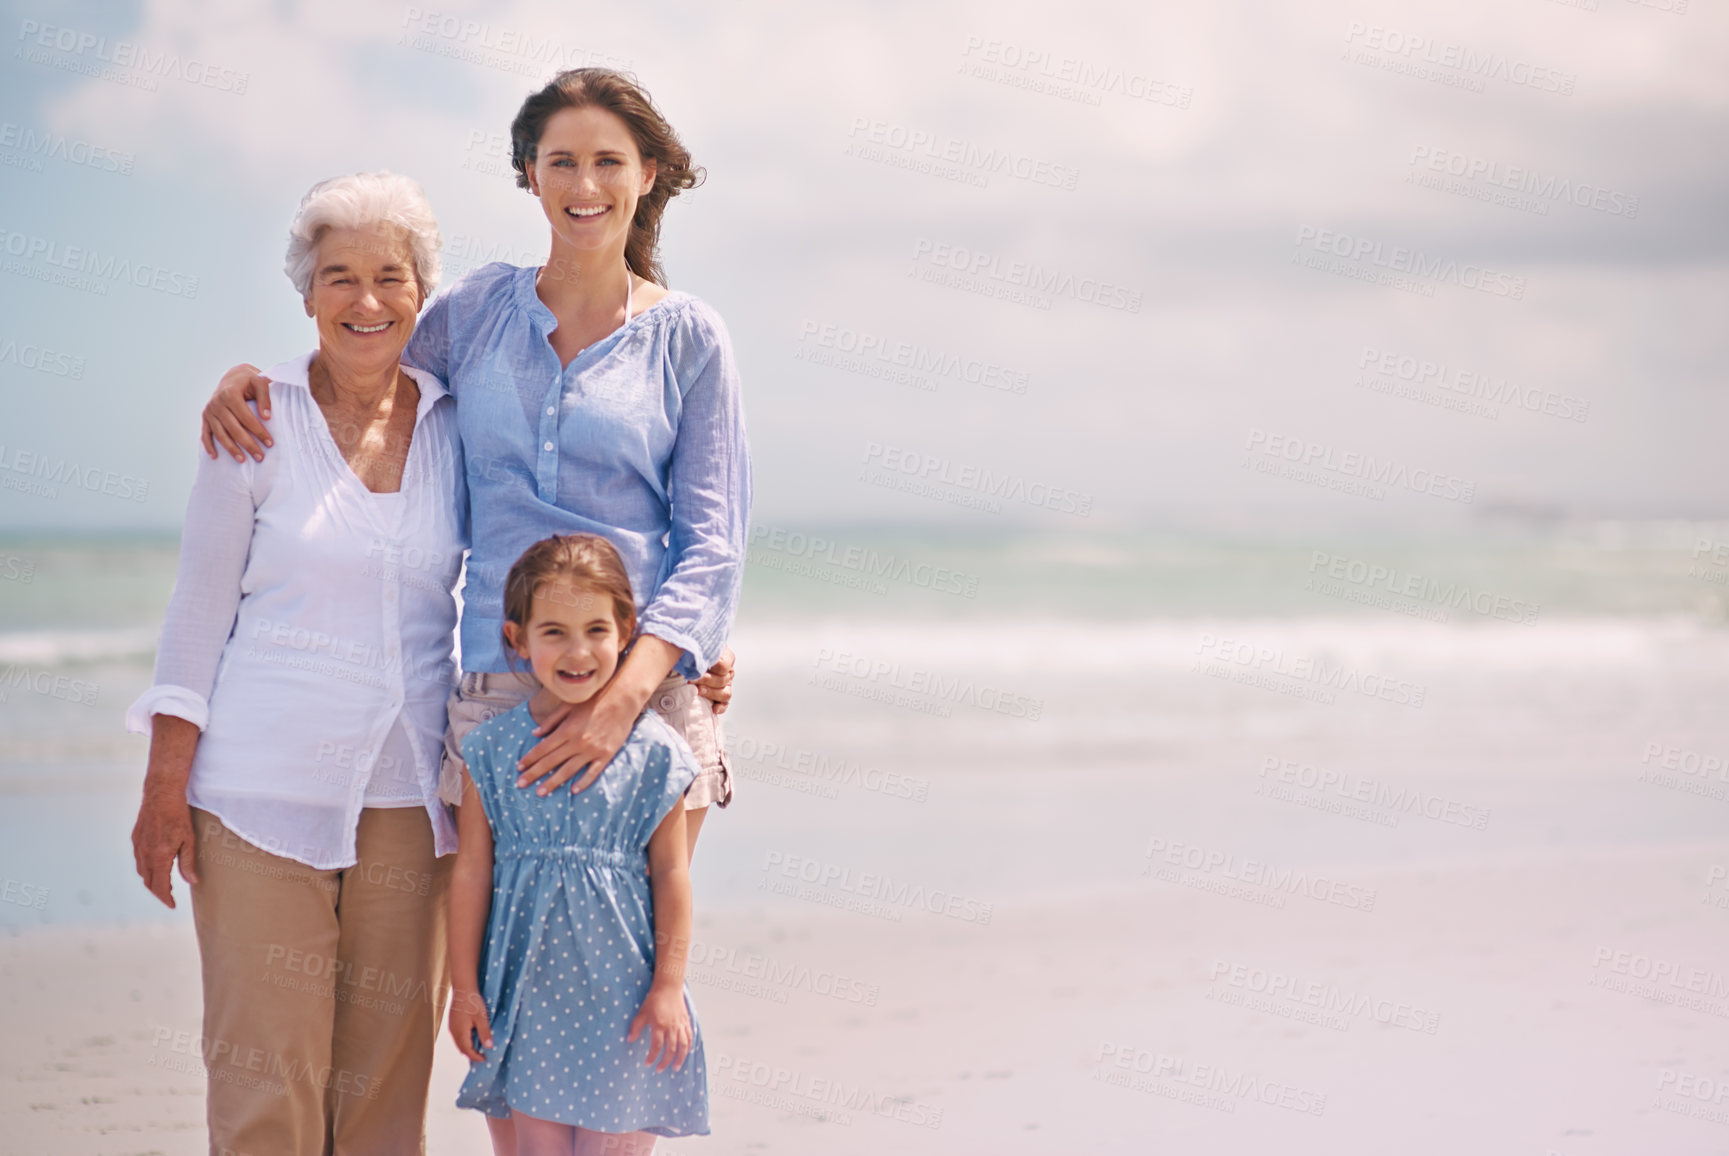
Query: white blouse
[[311, 629]]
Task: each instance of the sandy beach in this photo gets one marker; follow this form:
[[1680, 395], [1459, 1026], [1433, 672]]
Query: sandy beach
[[1533, 1005], [1229, 582], [1179, 912]]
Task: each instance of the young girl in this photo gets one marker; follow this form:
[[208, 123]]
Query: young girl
[[574, 1011]]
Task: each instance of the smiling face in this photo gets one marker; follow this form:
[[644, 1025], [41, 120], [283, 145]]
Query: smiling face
[[571, 640], [364, 297], [589, 175]]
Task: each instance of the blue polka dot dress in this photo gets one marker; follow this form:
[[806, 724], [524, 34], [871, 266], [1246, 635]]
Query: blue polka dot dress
[[569, 952]]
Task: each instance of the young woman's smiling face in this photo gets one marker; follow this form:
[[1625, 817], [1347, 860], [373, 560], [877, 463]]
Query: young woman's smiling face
[[589, 175], [571, 640]]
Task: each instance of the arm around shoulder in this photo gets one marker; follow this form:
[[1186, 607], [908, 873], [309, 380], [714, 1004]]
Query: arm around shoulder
[[230, 421]]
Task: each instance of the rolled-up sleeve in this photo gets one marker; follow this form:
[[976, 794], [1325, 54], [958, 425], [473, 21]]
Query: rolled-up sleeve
[[214, 547], [709, 485]]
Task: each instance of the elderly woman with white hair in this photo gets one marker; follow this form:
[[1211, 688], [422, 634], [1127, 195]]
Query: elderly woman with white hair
[[298, 709]]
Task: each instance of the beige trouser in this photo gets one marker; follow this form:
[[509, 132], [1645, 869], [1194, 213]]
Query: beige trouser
[[324, 991]]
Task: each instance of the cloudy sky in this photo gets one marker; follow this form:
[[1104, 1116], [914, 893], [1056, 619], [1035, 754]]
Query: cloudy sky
[[1353, 264]]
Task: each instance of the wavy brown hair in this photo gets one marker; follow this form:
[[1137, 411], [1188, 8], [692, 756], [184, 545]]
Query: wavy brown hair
[[587, 561], [655, 140]]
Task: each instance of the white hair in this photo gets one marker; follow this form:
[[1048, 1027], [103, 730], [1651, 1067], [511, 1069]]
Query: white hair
[[357, 201]]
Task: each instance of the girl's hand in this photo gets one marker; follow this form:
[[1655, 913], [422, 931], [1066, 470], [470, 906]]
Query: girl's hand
[[716, 685], [467, 1019], [569, 744], [229, 420], [668, 1025]]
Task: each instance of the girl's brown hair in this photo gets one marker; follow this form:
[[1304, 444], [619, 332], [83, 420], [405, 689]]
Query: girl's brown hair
[[586, 560], [655, 140]]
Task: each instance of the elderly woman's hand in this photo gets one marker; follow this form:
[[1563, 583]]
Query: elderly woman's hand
[[163, 833]]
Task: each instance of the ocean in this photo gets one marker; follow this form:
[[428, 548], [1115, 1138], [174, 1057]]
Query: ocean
[[934, 717]]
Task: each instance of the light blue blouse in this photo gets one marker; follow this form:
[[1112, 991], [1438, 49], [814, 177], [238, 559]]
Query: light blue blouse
[[640, 439]]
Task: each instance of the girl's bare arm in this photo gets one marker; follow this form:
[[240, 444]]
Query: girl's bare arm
[[663, 1011], [470, 904]]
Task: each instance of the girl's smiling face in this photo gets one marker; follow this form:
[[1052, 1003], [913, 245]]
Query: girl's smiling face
[[571, 640], [588, 175]]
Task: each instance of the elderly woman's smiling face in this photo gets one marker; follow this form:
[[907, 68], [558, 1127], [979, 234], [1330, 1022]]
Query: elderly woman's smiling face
[[364, 295]]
